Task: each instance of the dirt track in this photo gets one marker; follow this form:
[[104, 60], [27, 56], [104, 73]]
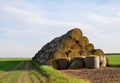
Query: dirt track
[[103, 75], [31, 74]]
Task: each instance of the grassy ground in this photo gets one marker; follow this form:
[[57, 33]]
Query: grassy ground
[[57, 77], [114, 60]]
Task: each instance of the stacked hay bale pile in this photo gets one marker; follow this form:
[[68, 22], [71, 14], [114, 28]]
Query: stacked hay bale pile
[[65, 51]]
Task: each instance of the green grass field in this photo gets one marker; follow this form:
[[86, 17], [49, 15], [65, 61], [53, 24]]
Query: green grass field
[[13, 70], [114, 60]]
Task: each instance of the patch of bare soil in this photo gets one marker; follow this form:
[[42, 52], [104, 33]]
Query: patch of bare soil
[[102, 75]]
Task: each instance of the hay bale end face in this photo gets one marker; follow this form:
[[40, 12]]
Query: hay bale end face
[[63, 52]]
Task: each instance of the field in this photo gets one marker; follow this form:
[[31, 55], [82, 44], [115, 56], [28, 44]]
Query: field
[[24, 70], [114, 60]]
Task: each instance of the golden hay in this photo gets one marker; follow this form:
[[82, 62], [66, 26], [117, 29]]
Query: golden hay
[[83, 41], [76, 46], [98, 52], [73, 54], [86, 53], [53, 63], [90, 46], [68, 41], [58, 55], [63, 48], [75, 34]]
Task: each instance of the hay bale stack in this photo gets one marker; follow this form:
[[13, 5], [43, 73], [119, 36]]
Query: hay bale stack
[[70, 45]]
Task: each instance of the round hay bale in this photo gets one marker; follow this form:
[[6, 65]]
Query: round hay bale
[[53, 63], [83, 41], [76, 65], [85, 53], [92, 62], [69, 42], [77, 62], [76, 46], [90, 46], [78, 59], [76, 34], [63, 48], [63, 63], [103, 62], [98, 52], [58, 55], [73, 54]]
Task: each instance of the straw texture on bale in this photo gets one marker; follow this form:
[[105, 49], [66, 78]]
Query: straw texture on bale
[[83, 41], [98, 52], [75, 34], [53, 63], [73, 54], [76, 46], [68, 42], [58, 55], [92, 62], [90, 47]]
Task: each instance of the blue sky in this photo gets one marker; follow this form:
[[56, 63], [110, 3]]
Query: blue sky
[[26, 25]]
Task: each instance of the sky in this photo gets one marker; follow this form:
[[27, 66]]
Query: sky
[[27, 25]]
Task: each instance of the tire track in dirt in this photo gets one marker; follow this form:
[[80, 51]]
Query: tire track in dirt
[[42, 78], [24, 77], [4, 74], [31, 74]]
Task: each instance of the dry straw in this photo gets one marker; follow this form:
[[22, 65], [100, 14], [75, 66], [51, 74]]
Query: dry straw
[[58, 55], [76, 34], [53, 63], [98, 52], [90, 46], [83, 41]]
